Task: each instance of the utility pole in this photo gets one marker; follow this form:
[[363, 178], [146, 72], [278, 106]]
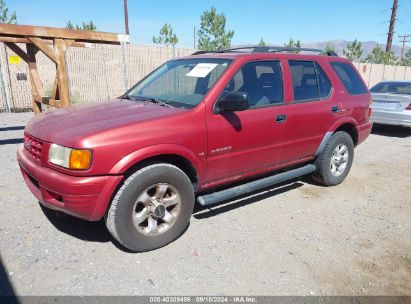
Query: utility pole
[[392, 24], [404, 41], [126, 16]]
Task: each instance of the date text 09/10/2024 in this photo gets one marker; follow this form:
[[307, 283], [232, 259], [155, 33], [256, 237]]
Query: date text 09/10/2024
[[204, 299]]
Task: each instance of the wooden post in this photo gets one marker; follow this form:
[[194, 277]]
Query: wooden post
[[61, 72], [53, 42], [36, 86]]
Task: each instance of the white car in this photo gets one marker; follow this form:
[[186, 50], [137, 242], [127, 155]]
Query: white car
[[391, 103]]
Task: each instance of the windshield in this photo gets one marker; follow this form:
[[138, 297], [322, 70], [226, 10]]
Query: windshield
[[392, 88], [180, 83]]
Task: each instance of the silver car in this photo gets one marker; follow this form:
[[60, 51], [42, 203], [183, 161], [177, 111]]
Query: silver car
[[391, 103]]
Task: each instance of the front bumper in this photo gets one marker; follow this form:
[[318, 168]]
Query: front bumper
[[83, 197], [392, 118]]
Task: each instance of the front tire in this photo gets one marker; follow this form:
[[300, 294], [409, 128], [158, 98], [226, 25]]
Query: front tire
[[334, 162], [152, 208]]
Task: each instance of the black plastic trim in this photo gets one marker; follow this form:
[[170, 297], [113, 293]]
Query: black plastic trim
[[219, 196]]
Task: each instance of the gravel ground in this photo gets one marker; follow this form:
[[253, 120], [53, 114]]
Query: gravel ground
[[297, 239]]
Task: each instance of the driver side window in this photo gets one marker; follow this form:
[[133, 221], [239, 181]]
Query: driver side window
[[261, 80]]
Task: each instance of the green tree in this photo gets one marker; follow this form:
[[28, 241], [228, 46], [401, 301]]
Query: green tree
[[293, 44], [390, 58], [166, 36], [261, 43], [88, 26], [406, 60], [212, 35], [70, 25], [85, 26], [378, 55], [353, 51], [329, 47], [4, 14]]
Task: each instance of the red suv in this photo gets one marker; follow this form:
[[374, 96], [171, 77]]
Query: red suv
[[189, 131]]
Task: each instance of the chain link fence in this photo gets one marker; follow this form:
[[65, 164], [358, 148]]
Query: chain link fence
[[102, 72], [95, 73]]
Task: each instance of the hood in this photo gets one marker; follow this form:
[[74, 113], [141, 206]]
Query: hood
[[64, 126]]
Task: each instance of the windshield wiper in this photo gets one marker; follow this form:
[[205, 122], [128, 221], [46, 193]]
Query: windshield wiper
[[156, 101], [147, 99], [128, 97]]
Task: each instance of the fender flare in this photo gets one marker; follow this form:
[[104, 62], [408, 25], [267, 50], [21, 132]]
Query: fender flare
[[157, 150], [331, 130]]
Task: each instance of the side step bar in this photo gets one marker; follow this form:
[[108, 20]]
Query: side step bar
[[219, 196]]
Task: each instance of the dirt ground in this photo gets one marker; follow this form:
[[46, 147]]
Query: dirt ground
[[297, 239]]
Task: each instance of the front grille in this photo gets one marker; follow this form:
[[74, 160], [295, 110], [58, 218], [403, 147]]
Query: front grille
[[33, 146]]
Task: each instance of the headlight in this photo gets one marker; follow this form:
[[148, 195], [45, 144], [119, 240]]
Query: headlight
[[69, 158]]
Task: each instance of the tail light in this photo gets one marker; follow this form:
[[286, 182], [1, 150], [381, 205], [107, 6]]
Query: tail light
[[409, 106]]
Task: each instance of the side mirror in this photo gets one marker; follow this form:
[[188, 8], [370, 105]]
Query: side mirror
[[232, 102]]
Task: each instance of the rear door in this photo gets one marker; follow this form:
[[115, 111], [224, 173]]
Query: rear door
[[245, 141], [355, 98], [311, 108]]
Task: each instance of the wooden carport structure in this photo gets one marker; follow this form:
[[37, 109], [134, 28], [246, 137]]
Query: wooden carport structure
[[53, 42]]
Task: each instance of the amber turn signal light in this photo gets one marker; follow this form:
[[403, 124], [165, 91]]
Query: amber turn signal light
[[80, 159]]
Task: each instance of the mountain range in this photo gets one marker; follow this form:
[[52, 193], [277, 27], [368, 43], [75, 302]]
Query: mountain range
[[339, 45]]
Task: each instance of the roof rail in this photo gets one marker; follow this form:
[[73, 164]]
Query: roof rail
[[207, 52], [270, 49]]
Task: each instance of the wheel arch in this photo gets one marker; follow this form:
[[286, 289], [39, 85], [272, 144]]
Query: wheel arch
[[175, 155], [351, 129], [348, 125]]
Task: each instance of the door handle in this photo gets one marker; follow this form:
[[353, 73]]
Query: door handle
[[335, 109], [281, 118]]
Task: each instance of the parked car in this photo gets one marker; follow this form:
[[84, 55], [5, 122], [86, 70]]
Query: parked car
[[191, 130], [391, 103]]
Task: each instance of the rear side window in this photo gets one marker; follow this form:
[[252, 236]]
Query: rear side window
[[309, 80], [349, 77]]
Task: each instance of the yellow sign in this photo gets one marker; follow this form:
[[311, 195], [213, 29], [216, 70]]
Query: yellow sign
[[14, 59]]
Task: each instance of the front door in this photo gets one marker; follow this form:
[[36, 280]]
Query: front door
[[250, 140]]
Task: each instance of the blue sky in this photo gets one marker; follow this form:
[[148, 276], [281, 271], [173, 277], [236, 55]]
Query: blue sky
[[275, 21]]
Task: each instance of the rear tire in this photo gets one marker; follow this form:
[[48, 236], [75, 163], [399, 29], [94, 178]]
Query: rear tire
[[334, 162], [152, 208]]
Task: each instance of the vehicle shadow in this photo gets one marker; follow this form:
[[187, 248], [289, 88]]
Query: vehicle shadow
[[391, 131], [81, 229], [84, 230], [7, 291], [14, 128], [97, 231], [241, 201], [11, 141]]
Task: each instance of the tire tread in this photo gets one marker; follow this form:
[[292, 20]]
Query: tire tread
[[111, 213], [322, 162]]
